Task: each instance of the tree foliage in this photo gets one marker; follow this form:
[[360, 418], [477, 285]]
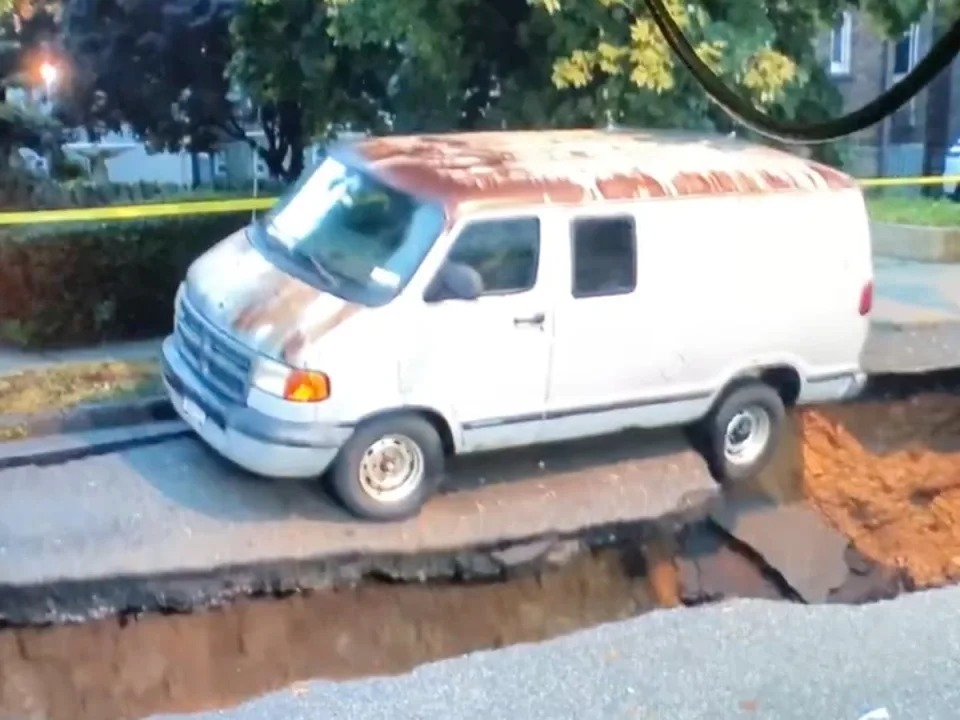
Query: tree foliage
[[311, 68], [155, 65], [576, 62], [304, 83], [29, 31]]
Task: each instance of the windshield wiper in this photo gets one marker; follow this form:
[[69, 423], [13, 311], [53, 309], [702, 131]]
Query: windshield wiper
[[329, 277]]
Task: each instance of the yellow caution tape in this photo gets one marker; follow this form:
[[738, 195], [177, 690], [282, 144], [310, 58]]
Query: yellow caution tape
[[207, 207], [136, 212], [900, 181]]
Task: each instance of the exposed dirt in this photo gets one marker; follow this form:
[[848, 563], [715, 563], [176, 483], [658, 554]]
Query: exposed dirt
[[103, 670], [887, 475]]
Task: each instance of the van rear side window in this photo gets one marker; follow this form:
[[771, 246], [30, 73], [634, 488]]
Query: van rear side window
[[604, 256]]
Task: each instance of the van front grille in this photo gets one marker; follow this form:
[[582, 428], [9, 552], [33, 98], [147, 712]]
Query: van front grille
[[222, 364]]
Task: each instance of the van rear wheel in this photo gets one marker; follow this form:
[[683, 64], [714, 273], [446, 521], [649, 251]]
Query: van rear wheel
[[388, 468], [741, 434]]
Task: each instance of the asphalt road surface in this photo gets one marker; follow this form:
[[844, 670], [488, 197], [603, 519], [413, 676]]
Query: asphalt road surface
[[174, 506], [912, 347], [743, 660]]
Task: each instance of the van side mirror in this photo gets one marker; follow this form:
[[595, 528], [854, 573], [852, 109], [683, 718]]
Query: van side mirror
[[455, 281]]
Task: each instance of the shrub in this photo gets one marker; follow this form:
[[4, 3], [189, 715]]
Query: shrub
[[22, 190], [74, 284]]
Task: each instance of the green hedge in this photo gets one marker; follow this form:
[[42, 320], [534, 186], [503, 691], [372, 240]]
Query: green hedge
[[64, 285]]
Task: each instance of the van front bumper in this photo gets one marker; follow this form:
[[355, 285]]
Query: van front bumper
[[256, 442]]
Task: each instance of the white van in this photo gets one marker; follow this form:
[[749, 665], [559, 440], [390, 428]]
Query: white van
[[415, 297]]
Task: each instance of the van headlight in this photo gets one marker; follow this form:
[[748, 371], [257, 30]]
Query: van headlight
[[290, 383]]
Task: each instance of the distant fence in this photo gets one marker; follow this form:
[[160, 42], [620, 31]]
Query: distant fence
[[207, 207]]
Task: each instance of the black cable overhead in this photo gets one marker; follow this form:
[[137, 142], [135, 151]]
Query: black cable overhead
[[887, 103]]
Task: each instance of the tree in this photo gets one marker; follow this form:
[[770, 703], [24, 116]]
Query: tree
[[608, 60], [459, 59], [939, 101], [304, 82], [316, 66], [610, 55], [28, 35], [158, 66]]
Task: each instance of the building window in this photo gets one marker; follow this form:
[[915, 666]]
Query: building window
[[904, 60], [840, 44], [905, 52]]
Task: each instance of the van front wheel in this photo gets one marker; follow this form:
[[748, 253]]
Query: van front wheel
[[743, 432], [388, 468]]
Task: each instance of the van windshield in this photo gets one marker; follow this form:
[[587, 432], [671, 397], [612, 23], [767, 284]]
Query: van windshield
[[351, 234]]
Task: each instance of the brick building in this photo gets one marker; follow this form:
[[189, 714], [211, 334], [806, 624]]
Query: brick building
[[863, 64]]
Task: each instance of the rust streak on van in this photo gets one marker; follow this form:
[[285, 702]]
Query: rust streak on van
[[749, 183], [276, 300], [491, 169], [774, 181], [688, 183], [834, 178], [315, 332], [623, 186], [291, 342]]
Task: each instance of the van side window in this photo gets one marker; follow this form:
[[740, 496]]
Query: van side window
[[604, 256], [504, 252]]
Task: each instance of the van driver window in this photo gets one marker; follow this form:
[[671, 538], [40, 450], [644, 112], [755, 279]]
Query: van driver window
[[604, 256], [504, 252]]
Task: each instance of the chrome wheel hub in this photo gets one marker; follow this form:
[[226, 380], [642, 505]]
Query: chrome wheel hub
[[391, 469], [746, 435]]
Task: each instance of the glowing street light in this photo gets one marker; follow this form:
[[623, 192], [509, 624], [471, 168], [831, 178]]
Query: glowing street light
[[49, 73]]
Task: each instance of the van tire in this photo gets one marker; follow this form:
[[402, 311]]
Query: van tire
[[408, 440], [752, 408]]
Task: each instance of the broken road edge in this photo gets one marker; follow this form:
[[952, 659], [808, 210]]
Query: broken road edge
[[707, 564]]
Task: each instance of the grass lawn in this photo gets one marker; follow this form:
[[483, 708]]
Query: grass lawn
[[914, 211], [66, 386], [72, 384]]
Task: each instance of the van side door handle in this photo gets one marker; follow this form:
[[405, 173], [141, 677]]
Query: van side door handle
[[536, 319]]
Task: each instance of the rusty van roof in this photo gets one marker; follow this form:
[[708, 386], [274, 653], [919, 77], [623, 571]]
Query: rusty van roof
[[579, 166]]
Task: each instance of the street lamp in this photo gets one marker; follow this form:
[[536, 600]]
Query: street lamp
[[49, 73]]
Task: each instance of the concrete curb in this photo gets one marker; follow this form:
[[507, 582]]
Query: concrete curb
[[929, 323], [55, 449], [916, 242], [156, 408]]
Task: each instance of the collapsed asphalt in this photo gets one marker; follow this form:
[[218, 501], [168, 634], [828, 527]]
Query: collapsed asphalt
[[106, 533]]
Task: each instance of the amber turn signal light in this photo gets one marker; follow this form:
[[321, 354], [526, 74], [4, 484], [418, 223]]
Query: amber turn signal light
[[306, 386]]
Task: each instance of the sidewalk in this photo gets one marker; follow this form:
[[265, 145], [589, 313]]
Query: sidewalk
[[915, 293]]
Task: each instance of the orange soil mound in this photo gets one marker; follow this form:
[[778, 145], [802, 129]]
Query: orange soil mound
[[888, 476]]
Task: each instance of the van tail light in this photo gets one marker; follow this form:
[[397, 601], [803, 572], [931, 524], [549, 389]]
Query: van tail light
[[866, 298]]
